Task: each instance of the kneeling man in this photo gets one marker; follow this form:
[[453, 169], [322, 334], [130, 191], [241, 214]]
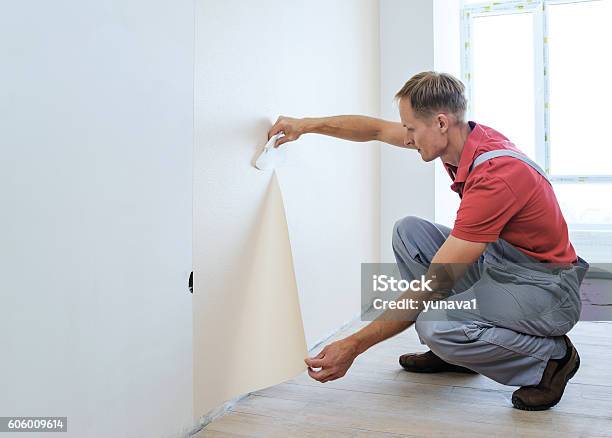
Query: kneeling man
[[508, 252]]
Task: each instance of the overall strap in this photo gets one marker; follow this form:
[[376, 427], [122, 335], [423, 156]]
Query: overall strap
[[508, 153]]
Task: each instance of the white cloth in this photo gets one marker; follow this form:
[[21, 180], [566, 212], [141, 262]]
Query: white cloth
[[271, 157]]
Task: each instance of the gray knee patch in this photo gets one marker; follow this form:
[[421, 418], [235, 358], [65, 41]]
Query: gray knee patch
[[442, 337], [404, 231], [427, 326]]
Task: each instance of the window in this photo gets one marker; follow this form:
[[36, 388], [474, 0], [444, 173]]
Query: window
[[579, 60], [537, 71]]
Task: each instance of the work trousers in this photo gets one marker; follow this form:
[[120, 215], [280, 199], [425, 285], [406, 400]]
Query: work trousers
[[522, 305]]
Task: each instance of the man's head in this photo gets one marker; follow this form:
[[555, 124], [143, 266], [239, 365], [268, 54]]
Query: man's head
[[430, 105]]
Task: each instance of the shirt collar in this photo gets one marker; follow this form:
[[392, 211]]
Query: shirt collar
[[467, 154]]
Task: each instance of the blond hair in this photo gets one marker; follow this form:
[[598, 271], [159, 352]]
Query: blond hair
[[430, 92]]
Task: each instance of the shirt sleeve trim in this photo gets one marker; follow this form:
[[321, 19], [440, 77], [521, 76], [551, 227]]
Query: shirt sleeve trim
[[480, 238]]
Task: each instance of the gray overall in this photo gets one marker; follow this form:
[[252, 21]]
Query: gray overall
[[522, 305]]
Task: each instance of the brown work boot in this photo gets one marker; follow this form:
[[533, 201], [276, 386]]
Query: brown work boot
[[429, 363], [549, 391]]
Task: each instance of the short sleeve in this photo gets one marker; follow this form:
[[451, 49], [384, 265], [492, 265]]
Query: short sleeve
[[486, 207]]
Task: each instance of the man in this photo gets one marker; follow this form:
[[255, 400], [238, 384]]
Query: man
[[509, 250]]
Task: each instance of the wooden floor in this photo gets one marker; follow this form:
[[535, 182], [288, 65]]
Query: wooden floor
[[378, 399]]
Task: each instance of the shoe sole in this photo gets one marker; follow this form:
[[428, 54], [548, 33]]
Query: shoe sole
[[523, 407], [437, 370]]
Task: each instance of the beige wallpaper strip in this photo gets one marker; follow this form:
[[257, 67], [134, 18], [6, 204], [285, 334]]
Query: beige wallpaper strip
[[265, 344]]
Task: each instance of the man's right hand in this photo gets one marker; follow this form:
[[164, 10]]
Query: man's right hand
[[292, 128]]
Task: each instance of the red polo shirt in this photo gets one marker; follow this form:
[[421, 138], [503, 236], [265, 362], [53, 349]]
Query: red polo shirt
[[506, 198]]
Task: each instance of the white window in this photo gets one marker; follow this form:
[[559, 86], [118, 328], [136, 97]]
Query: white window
[[538, 71]]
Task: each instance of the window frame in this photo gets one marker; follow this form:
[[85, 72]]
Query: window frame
[[541, 67]]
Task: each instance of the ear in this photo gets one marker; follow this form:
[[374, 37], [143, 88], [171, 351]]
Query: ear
[[442, 122]]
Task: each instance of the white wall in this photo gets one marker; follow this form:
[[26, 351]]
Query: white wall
[[406, 48], [447, 58], [258, 60], [96, 148], [95, 231]]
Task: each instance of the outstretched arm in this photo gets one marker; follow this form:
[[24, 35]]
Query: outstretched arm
[[354, 128], [448, 265]]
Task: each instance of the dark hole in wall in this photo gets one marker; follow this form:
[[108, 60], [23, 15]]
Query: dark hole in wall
[[191, 282]]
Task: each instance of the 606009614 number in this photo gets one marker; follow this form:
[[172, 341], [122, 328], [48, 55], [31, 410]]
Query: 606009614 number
[[33, 424]]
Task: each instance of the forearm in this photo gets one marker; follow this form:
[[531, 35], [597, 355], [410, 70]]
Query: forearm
[[441, 277], [392, 321], [377, 331], [353, 128]]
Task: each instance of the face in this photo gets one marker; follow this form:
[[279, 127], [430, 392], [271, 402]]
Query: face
[[427, 136]]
